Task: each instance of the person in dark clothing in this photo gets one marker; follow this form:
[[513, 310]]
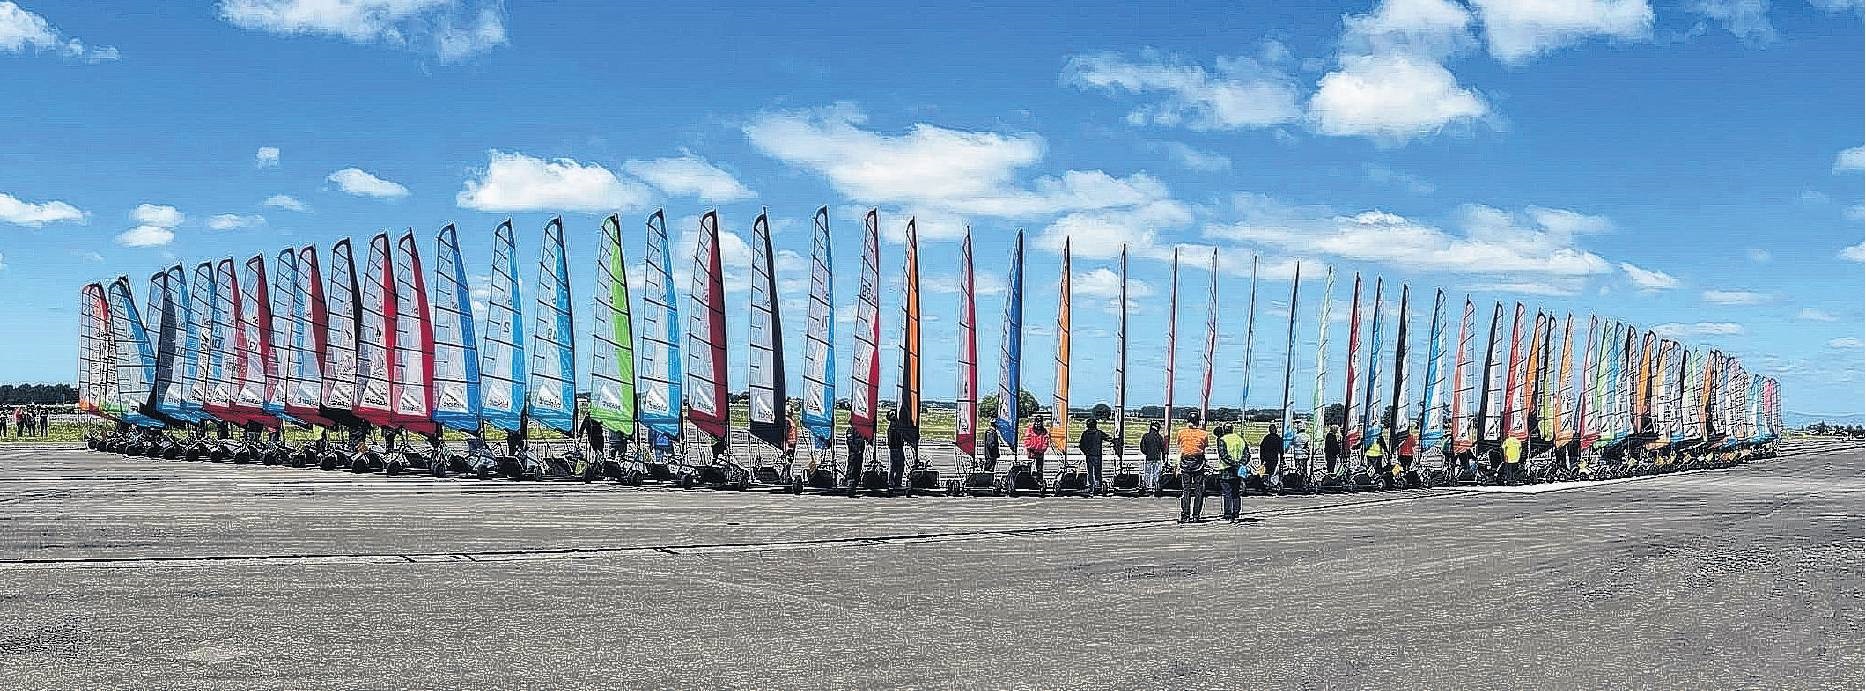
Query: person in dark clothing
[[897, 450], [1193, 441], [593, 433], [992, 449], [1331, 448], [45, 422], [1270, 452], [515, 439], [1091, 443], [720, 446], [857, 445], [1153, 448]]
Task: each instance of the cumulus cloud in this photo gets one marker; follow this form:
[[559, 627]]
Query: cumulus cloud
[[451, 30], [22, 31], [1748, 20], [1845, 342], [1195, 159], [1422, 27], [689, 175], [513, 181], [157, 215], [1649, 279], [1735, 297], [1814, 315], [1698, 329], [234, 221], [156, 226], [146, 236], [284, 201], [1241, 93], [1393, 98], [20, 212], [1519, 30], [1838, 6], [1855, 252], [266, 157], [362, 184], [1100, 234], [1853, 159]]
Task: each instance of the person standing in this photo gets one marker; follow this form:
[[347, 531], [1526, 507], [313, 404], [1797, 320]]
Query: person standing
[[856, 445], [992, 449], [1153, 449], [1091, 443], [1036, 444], [45, 422], [897, 450], [1193, 440], [1270, 453], [1331, 448], [1232, 458]]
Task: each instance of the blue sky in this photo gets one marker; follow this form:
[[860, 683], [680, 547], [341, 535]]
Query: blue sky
[[1691, 166]]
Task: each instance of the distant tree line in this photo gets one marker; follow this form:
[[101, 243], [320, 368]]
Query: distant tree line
[[41, 394]]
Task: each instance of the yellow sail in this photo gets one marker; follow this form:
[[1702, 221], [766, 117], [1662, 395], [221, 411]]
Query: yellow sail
[[1059, 430]]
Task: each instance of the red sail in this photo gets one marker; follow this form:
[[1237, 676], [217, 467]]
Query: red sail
[[1350, 430]]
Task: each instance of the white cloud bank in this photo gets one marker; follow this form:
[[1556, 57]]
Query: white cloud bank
[[22, 31], [361, 183], [689, 175], [156, 226], [516, 182], [1241, 93], [24, 213], [448, 29]]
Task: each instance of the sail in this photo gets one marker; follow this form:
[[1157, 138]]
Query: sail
[[283, 289], [1350, 425], [661, 385], [253, 341], [135, 356], [223, 360], [819, 345], [343, 379], [191, 362], [411, 383], [1172, 344], [1463, 434], [1250, 339], [865, 362], [1371, 409], [202, 351], [1120, 362], [1401, 420], [769, 404], [1059, 431], [1432, 408], [308, 334], [1529, 383], [1515, 420], [1489, 423], [553, 401], [107, 389], [1289, 355], [1011, 349], [1318, 414], [965, 423], [91, 315], [907, 401], [706, 334], [1564, 423], [167, 292], [612, 352], [375, 335], [1211, 342], [502, 353], [456, 338]]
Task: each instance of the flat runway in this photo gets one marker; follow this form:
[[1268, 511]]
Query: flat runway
[[119, 572]]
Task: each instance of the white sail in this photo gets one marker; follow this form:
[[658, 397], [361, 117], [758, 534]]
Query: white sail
[[819, 351], [341, 376]]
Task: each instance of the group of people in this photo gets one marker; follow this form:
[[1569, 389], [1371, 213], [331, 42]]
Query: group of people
[[28, 421], [1233, 465]]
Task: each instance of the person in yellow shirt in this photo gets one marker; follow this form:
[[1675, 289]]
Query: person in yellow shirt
[[1193, 440], [1512, 455]]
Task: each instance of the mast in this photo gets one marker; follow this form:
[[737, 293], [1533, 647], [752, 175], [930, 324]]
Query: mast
[[456, 340], [1011, 351], [412, 386], [1432, 404], [1211, 342], [375, 344], [1172, 344], [907, 401], [1289, 351], [88, 338], [1059, 432], [1318, 417], [768, 407], [819, 350], [865, 366], [965, 427], [661, 395], [612, 352], [1120, 365], [339, 393], [1350, 425], [706, 335]]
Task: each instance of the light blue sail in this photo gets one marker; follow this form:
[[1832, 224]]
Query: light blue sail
[[1010, 378], [503, 351]]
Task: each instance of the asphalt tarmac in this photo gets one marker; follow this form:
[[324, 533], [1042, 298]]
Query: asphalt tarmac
[[118, 572]]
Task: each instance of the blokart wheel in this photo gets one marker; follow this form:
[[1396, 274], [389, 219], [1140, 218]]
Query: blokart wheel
[[795, 487], [437, 467], [590, 472], [327, 462], [359, 464], [392, 468], [686, 481], [483, 472]]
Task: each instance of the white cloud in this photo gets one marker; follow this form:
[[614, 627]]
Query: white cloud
[[234, 221], [21, 31], [1735, 297], [1676, 330], [982, 284], [1845, 342], [1648, 279], [362, 184], [1814, 315], [1382, 175], [1552, 289], [1102, 282], [284, 201], [1746, 19], [1424, 27], [1856, 252], [1101, 233], [146, 236], [735, 256], [689, 175], [266, 157], [1853, 159], [20, 212], [516, 182], [1838, 6], [1758, 255], [1392, 98], [448, 29], [1195, 159], [1520, 30], [1243, 93], [157, 215]]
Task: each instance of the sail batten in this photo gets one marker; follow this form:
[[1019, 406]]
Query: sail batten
[[253, 343], [309, 338], [342, 362], [375, 344], [135, 357]]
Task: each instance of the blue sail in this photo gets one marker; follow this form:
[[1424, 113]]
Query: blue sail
[[503, 354], [660, 347], [1010, 381], [819, 356], [1372, 413], [1432, 429], [136, 361], [456, 344], [553, 358]]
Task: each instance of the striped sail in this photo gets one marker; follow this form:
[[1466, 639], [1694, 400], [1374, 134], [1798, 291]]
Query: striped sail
[[502, 364], [865, 362], [553, 401], [456, 338], [1490, 398], [135, 356], [224, 363], [965, 424], [91, 327], [1318, 413], [706, 334], [907, 401], [191, 351], [819, 349], [1250, 338], [1350, 425], [343, 301], [201, 305], [1586, 415], [1059, 407], [1463, 434], [167, 294], [253, 342], [411, 384], [284, 308], [375, 334], [309, 329], [1515, 420], [107, 392], [1371, 408], [1432, 408], [1564, 417], [1401, 420], [1529, 386], [1011, 349], [1172, 344], [661, 401], [612, 355], [1289, 353], [1210, 350], [768, 408]]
